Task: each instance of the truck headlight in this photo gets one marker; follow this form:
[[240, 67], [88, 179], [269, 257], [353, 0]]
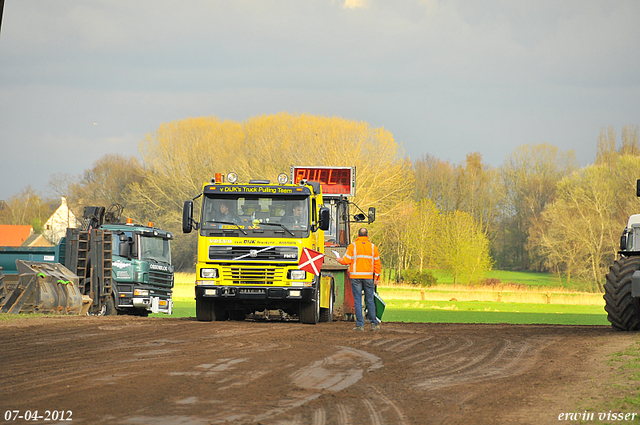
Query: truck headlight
[[297, 274], [209, 273], [141, 293]]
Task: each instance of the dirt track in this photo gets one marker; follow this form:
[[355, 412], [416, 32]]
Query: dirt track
[[126, 370]]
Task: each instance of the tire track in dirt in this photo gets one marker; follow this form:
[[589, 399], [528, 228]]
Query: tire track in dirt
[[57, 367], [331, 374], [508, 359], [175, 371], [444, 362]]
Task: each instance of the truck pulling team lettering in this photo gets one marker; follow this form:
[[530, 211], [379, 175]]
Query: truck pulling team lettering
[[250, 189]]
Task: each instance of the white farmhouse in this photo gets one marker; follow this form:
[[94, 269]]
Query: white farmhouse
[[56, 227]]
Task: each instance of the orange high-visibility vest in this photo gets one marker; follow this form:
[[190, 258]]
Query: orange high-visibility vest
[[363, 259]]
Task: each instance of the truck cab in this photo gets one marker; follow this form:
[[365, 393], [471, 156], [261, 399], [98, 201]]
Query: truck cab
[[141, 269]]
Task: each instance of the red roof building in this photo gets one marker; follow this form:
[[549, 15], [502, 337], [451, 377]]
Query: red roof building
[[14, 235]]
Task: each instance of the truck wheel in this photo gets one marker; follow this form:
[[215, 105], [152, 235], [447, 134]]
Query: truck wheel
[[310, 311], [623, 311], [219, 312], [109, 307], [326, 314], [204, 310], [208, 310]]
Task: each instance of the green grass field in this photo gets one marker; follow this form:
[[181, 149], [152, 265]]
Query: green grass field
[[464, 312], [493, 312], [530, 279], [472, 305]]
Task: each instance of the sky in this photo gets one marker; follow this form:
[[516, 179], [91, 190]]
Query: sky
[[83, 78]]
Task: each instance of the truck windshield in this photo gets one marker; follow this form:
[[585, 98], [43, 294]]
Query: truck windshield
[[291, 212], [155, 249]]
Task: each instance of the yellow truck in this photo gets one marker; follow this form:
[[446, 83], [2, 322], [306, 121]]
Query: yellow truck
[[251, 238]]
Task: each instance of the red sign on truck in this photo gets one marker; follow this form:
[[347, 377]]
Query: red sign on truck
[[334, 180]]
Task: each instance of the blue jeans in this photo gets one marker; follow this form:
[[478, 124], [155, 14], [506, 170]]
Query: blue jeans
[[356, 287]]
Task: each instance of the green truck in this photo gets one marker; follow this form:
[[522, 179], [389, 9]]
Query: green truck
[[111, 267]]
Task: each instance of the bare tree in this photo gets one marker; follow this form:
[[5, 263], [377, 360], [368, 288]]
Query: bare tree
[[26, 208], [183, 155], [606, 148], [630, 140], [107, 182], [581, 229], [529, 178]]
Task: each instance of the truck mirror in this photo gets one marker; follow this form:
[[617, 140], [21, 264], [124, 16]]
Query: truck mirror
[[325, 218], [372, 214], [124, 249], [638, 187], [187, 217], [359, 217]]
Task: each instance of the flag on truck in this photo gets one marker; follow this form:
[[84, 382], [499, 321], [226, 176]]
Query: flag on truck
[[311, 261]]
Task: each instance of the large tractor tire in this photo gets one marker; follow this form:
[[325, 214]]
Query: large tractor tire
[[623, 311]]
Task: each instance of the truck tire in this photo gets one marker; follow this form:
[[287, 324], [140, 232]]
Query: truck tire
[[310, 311], [326, 314], [208, 310], [623, 311], [204, 310], [110, 307]]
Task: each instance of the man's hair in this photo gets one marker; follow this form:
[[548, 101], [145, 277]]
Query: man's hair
[[363, 232]]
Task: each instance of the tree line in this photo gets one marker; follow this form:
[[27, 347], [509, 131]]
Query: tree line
[[537, 211]]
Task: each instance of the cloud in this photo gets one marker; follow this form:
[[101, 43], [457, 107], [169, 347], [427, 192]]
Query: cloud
[[446, 77]]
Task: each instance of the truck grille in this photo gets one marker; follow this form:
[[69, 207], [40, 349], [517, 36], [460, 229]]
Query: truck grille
[[252, 276], [254, 253], [160, 283]]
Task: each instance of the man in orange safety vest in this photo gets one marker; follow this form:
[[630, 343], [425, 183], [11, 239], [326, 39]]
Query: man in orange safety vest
[[364, 271]]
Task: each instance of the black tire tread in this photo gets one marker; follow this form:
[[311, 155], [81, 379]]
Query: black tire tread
[[110, 309], [204, 310], [208, 310], [623, 311]]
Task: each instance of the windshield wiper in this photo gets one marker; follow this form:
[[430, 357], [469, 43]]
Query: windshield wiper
[[230, 222], [278, 224]]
